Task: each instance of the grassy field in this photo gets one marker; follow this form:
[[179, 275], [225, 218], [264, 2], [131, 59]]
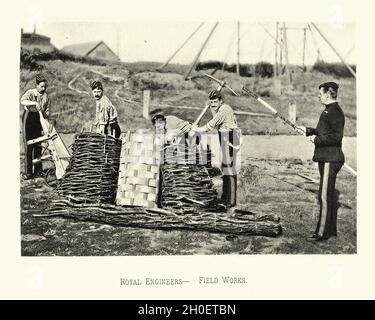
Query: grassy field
[[265, 185], [74, 108]]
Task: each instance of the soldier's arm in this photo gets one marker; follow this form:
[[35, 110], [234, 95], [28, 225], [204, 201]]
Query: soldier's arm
[[27, 99], [215, 122], [112, 113], [311, 131]]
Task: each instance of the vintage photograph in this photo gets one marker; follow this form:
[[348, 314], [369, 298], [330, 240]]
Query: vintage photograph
[[188, 138]]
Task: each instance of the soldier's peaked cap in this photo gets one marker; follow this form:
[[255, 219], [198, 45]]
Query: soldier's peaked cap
[[157, 116], [96, 85], [329, 84], [214, 95]]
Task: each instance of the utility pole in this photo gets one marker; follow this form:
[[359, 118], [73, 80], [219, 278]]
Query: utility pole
[[118, 42], [276, 48], [200, 51], [238, 48], [334, 50], [286, 52], [319, 58], [180, 47], [281, 51], [304, 49]]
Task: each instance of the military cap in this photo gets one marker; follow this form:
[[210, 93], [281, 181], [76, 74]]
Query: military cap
[[329, 84], [214, 95], [157, 116], [96, 85], [40, 78]]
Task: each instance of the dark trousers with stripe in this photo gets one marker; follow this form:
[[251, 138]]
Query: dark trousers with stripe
[[229, 143], [327, 222], [31, 129]]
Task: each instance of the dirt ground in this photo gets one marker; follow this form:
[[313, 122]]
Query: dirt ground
[[265, 186]]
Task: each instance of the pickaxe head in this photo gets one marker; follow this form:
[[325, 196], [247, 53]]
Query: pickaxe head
[[221, 84]]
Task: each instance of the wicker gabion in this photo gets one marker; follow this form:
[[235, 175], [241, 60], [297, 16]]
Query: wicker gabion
[[187, 188], [93, 170]]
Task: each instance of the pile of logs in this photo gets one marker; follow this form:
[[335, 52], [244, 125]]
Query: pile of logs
[[187, 188], [91, 176], [240, 223]]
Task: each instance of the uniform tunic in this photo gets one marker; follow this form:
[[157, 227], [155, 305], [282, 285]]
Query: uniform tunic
[[328, 153]]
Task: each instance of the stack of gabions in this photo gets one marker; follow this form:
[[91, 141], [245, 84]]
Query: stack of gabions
[[93, 171], [138, 183]]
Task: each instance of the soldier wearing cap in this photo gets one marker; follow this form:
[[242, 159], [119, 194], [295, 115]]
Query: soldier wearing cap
[[33, 100], [327, 138], [225, 122], [106, 113], [172, 126]]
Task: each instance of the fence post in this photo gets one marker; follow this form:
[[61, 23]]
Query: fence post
[[146, 103], [292, 112], [277, 86]]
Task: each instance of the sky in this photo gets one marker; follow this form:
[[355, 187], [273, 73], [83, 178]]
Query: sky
[[157, 41]]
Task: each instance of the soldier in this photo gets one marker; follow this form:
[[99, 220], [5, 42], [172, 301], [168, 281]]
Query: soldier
[[327, 138], [32, 100], [172, 126], [229, 135], [106, 113]]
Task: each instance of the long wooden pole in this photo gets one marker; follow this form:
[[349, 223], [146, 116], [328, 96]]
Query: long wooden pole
[[335, 51], [315, 43], [304, 49], [180, 47], [286, 52], [200, 51], [238, 48], [286, 121], [276, 46], [281, 45]]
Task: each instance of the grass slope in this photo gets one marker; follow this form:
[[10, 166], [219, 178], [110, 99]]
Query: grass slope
[[124, 84]]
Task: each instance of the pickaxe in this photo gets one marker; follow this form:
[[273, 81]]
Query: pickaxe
[[221, 83]]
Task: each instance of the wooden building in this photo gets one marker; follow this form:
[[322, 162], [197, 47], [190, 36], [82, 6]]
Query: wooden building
[[97, 50]]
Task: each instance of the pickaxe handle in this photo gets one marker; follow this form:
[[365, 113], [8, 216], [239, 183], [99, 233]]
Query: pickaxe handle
[[221, 85], [196, 122]]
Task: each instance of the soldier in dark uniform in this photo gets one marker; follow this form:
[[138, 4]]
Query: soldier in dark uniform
[[327, 138]]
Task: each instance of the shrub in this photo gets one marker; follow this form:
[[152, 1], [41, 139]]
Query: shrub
[[335, 69], [27, 61], [208, 65], [264, 69], [245, 69]]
